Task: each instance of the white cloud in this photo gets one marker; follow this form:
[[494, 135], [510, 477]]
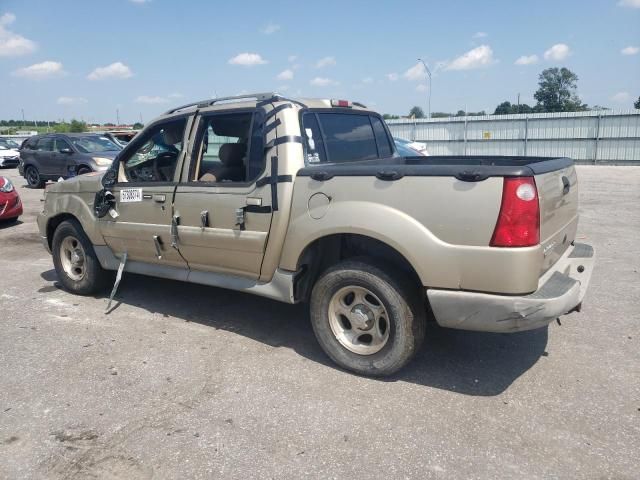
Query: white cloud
[[115, 70], [326, 62], [367, 80], [630, 50], [42, 70], [421, 88], [478, 57], [323, 82], [151, 100], [480, 35], [175, 95], [292, 58], [12, 44], [270, 28], [71, 101], [285, 75], [392, 76], [415, 73], [247, 59], [527, 60], [7, 19], [621, 97], [140, 2], [629, 3], [558, 52]]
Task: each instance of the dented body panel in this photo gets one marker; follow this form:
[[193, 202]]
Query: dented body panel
[[438, 214]]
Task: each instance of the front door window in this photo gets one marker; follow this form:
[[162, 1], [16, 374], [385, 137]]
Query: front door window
[[155, 160]]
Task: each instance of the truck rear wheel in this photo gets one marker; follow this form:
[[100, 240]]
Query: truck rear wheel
[[367, 320], [75, 261]]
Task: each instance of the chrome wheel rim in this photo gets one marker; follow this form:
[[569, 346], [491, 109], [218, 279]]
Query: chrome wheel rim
[[359, 320], [72, 258]]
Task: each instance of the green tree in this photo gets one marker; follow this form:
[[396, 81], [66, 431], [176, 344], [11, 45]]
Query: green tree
[[557, 91], [416, 112], [506, 108], [77, 126], [62, 127], [138, 126], [637, 104]]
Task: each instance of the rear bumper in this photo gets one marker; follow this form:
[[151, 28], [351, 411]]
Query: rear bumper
[[560, 291]]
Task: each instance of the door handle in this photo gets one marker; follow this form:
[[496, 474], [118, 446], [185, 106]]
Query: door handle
[[159, 198], [158, 243]]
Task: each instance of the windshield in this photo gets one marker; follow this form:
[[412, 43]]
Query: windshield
[[94, 144], [8, 143]]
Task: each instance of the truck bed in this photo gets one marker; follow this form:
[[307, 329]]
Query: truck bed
[[466, 168], [447, 208]]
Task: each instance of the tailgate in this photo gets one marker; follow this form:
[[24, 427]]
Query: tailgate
[[558, 193]]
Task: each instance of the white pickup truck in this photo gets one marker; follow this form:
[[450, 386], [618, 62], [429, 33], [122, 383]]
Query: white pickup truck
[[308, 201]]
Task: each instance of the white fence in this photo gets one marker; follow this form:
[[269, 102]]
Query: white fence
[[587, 137]]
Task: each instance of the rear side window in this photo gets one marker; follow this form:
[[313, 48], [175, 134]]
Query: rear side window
[[344, 137], [30, 143], [348, 138], [45, 145], [382, 139]]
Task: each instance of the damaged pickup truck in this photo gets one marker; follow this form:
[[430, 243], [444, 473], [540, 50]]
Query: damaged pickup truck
[[308, 201]]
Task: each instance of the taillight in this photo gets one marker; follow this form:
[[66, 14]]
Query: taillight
[[340, 103], [518, 223]]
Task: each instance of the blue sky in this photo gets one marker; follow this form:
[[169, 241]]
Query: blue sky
[[85, 59]]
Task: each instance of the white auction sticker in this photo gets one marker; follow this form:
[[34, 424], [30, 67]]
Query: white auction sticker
[[130, 195]]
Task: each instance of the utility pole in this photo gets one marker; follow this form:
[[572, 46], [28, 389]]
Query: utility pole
[[117, 117], [518, 102], [24, 124], [428, 72]]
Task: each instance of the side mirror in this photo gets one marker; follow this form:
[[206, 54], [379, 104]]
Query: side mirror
[[68, 151], [109, 178]]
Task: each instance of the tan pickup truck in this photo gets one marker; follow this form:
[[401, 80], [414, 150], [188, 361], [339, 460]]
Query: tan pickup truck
[[308, 201]]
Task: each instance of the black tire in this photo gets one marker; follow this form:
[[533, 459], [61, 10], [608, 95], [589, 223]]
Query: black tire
[[94, 277], [82, 170], [33, 178], [404, 306]]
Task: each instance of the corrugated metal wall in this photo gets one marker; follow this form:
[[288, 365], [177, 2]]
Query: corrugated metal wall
[[587, 137]]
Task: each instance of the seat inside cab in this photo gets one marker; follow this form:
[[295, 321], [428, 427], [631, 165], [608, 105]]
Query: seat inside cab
[[224, 148]]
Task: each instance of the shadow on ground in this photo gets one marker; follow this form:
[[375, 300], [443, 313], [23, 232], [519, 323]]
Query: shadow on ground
[[9, 223], [470, 363]]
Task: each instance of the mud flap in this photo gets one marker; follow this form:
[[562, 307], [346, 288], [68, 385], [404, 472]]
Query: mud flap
[[123, 261]]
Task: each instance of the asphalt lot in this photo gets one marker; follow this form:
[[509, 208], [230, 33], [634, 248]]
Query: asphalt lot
[[184, 381]]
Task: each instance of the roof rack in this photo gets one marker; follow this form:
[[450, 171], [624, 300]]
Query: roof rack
[[260, 97], [207, 103]]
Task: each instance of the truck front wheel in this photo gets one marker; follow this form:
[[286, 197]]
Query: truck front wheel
[[75, 260], [367, 320]]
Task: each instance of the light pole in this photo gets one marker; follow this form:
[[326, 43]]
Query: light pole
[[428, 72]]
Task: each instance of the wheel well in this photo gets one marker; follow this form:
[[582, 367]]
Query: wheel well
[[328, 251], [81, 166], [53, 223]]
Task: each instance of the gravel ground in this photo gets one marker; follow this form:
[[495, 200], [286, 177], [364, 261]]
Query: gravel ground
[[184, 381]]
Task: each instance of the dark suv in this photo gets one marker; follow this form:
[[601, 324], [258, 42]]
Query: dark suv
[[51, 156]]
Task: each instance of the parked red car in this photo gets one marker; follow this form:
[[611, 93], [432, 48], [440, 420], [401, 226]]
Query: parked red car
[[10, 204]]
